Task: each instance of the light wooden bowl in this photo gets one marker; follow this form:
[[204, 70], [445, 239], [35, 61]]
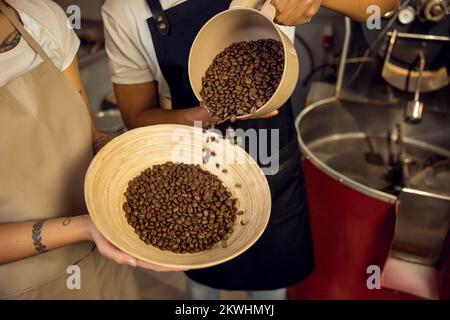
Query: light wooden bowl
[[243, 22], [128, 155]]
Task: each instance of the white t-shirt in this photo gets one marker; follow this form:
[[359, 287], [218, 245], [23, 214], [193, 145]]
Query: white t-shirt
[[129, 43], [47, 23]]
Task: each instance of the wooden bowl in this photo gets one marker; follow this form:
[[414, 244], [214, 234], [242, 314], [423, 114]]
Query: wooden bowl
[[243, 22], [128, 155]]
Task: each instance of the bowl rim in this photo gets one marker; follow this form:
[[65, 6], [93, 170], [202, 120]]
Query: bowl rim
[[90, 173], [282, 39]]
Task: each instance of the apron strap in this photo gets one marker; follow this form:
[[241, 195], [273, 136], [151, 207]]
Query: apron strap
[[160, 18], [9, 13]]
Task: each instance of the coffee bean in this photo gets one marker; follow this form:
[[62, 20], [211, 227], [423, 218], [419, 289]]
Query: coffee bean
[[241, 78], [190, 212]]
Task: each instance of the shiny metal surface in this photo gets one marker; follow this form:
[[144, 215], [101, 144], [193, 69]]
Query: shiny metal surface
[[414, 108], [435, 10], [415, 36], [109, 121], [333, 136], [419, 81], [422, 226], [344, 56], [431, 80], [434, 179], [413, 111]]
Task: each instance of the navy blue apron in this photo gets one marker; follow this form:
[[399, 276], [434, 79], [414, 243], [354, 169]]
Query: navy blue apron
[[283, 255]]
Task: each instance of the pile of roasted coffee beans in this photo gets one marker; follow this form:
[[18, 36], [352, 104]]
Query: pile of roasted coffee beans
[[242, 78], [181, 208]]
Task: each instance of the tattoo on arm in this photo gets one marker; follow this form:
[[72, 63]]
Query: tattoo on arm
[[10, 42], [36, 236], [66, 222]]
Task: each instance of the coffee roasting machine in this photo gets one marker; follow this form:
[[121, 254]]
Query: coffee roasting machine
[[376, 158]]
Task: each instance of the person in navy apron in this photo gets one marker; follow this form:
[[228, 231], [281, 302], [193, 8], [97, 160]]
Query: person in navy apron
[[283, 256]]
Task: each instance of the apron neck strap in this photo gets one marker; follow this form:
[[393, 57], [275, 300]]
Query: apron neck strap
[[160, 18], [10, 15]]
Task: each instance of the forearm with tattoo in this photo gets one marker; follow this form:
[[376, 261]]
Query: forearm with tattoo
[[25, 239], [37, 237]]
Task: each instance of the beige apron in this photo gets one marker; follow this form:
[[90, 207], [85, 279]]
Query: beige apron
[[45, 149]]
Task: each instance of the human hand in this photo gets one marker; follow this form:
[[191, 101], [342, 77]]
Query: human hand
[[200, 113], [295, 12], [266, 116], [109, 251]]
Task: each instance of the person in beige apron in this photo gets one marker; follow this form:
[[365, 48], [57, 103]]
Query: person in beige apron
[[46, 246]]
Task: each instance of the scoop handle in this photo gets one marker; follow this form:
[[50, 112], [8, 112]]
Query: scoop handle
[[265, 7]]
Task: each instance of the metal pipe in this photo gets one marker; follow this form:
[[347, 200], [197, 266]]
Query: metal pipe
[[425, 37], [344, 54], [414, 109]]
